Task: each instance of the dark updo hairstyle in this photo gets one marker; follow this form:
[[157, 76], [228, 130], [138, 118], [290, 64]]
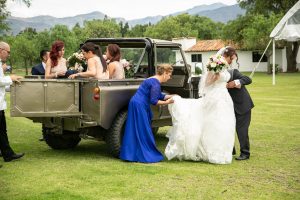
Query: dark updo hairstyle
[[229, 52], [95, 49], [43, 53], [164, 68], [56, 47], [114, 51]]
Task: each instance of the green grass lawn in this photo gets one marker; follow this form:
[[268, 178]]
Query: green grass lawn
[[89, 172]]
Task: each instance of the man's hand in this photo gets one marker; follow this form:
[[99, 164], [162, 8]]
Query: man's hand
[[16, 78], [231, 84]]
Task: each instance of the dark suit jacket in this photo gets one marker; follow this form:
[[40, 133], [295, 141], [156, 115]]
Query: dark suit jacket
[[240, 96], [38, 70]]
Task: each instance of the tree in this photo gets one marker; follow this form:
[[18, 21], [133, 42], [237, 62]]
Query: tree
[[258, 31], [124, 28], [61, 32], [4, 14], [185, 25], [102, 28], [267, 8], [137, 31], [80, 35], [23, 50], [171, 27]]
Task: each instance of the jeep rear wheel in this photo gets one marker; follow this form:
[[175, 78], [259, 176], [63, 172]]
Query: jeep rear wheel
[[115, 134], [67, 140]]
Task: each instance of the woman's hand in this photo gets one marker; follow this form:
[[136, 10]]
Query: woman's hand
[[61, 73], [73, 76], [169, 101]]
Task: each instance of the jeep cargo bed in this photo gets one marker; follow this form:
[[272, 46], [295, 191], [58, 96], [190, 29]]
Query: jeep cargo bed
[[45, 98]]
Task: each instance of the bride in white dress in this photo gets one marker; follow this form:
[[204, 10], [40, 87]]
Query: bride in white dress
[[204, 129]]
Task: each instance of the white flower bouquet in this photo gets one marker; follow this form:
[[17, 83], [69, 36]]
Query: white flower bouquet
[[216, 64], [77, 61]]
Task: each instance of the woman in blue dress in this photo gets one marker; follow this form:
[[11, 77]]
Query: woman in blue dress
[[138, 143]]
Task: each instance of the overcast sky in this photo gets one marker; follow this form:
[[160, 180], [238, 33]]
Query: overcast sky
[[128, 9]]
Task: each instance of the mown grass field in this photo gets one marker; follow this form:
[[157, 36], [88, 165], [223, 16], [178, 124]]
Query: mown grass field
[[89, 172]]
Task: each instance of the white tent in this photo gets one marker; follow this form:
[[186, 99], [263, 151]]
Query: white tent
[[287, 29]]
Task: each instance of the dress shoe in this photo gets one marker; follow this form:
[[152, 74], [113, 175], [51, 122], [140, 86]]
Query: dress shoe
[[242, 157], [14, 157]]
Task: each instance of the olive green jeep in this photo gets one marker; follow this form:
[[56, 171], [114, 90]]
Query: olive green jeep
[[70, 110]]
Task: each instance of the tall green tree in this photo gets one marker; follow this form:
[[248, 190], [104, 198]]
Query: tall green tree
[[61, 32], [185, 25], [171, 27], [4, 14], [267, 8], [24, 50], [102, 28], [124, 28], [138, 30]]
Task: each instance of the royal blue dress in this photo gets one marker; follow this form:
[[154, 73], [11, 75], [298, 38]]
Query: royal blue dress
[[138, 143]]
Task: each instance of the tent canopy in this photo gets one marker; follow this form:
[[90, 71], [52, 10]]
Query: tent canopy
[[289, 26]]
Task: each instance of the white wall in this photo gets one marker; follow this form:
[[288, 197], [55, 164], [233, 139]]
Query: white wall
[[185, 42], [245, 60], [245, 57]]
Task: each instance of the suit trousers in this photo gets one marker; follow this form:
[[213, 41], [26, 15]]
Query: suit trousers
[[4, 143], [242, 129]]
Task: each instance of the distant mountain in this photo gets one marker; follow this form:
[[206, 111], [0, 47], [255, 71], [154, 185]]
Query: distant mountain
[[217, 12], [197, 9], [223, 14], [193, 11], [46, 22]]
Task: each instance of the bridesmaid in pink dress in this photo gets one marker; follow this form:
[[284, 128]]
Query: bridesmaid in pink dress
[[115, 67], [56, 66], [97, 67]]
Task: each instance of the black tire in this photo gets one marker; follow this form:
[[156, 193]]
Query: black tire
[[115, 134], [67, 140]]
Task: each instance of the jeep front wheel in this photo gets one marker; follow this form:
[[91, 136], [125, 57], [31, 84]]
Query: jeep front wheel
[[67, 140]]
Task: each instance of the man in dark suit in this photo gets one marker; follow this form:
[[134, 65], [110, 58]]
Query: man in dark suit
[[40, 68], [242, 108]]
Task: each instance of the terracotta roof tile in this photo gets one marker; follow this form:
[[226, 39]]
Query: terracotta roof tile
[[211, 45]]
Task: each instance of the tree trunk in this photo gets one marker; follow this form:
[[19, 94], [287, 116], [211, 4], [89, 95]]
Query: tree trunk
[[291, 55], [26, 69], [269, 66]]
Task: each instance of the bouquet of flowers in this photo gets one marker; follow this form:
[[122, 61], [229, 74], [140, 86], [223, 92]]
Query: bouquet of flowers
[[216, 64], [77, 61], [128, 69]]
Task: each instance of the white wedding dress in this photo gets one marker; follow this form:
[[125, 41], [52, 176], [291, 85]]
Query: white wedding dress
[[203, 129]]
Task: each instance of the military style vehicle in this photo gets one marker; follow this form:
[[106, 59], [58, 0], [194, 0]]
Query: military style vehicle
[[70, 110]]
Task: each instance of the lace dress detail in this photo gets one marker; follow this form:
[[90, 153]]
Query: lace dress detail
[[138, 143], [119, 71], [60, 67], [204, 128]]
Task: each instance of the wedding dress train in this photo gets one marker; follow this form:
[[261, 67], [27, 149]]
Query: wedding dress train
[[203, 129]]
